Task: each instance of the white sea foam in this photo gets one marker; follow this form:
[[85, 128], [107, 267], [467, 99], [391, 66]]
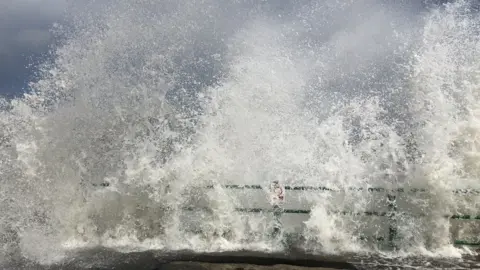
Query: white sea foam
[[162, 99]]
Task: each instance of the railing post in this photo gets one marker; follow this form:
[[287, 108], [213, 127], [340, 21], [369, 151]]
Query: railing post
[[392, 220]]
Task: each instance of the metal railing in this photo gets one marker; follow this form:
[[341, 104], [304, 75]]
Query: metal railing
[[391, 214]]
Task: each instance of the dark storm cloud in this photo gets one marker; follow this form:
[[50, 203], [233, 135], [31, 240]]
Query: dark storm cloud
[[24, 38]]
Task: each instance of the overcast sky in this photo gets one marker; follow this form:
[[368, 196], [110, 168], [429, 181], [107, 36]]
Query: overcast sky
[[24, 37]]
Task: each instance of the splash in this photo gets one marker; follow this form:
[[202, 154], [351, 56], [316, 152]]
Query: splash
[[160, 99]]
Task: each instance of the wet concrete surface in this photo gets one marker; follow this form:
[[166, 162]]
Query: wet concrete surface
[[212, 266]]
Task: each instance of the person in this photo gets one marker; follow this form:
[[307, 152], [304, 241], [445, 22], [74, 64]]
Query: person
[[277, 193], [277, 199]]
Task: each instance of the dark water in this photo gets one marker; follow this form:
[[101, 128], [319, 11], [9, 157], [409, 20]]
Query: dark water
[[160, 260]]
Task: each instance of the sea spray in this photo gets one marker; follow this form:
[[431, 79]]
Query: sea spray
[[161, 99]]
